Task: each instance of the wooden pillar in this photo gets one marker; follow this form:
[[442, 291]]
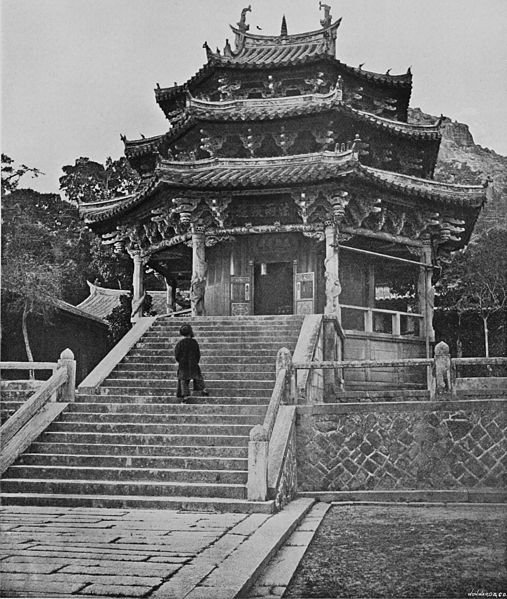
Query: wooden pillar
[[138, 286], [199, 268]]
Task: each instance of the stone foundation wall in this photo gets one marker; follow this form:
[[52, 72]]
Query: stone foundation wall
[[402, 445]]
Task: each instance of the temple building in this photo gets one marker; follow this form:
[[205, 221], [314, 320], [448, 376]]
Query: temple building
[[288, 182]]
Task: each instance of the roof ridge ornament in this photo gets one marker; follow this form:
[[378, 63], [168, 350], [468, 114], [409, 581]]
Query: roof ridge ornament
[[283, 29], [242, 24], [328, 19]]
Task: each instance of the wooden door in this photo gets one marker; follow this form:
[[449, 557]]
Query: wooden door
[[242, 293], [304, 292]]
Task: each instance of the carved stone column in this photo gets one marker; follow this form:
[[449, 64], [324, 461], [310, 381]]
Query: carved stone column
[[429, 290], [138, 285], [331, 262], [199, 268]]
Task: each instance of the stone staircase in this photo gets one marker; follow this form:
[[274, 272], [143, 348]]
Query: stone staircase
[[131, 444], [14, 394]]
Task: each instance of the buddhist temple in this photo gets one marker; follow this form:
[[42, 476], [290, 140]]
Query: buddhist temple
[[288, 182]]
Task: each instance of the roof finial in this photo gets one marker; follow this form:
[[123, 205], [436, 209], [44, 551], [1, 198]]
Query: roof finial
[[327, 20], [209, 52], [283, 30], [242, 26]]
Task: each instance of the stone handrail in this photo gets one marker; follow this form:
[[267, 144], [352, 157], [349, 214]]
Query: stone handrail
[[260, 435], [116, 355], [28, 366], [20, 430], [443, 368]]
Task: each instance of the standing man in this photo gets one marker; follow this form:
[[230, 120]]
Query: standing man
[[188, 354]]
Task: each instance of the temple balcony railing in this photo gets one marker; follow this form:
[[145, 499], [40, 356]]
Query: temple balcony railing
[[377, 320]]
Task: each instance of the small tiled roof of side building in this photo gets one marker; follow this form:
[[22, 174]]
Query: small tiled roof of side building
[[102, 301]]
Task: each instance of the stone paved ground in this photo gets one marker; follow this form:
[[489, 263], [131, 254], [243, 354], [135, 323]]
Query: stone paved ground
[[397, 551], [91, 553]]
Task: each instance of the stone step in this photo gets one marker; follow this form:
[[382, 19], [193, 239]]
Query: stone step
[[224, 320], [134, 461], [221, 344], [135, 451], [219, 337], [135, 428], [216, 390], [51, 436], [267, 361], [171, 418], [197, 409], [194, 504], [169, 374], [106, 487], [224, 353], [112, 396], [268, 367], [129, 474], [168, 385]]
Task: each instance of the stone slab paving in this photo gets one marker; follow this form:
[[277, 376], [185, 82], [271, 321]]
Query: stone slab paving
[[91, 553], [278, 573]]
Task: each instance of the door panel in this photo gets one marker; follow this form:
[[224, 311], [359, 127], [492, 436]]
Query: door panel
[[273, 288]]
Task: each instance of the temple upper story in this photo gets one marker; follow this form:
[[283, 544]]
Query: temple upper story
[[288, 65]]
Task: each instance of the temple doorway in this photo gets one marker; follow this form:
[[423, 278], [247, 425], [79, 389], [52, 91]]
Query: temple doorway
[[273, 288]]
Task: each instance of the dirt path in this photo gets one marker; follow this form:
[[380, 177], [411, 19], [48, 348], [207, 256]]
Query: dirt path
[[401, 551]]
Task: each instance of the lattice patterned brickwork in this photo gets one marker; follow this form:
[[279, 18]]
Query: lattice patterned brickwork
[[389, 448]]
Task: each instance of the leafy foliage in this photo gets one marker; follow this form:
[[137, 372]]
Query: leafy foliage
[[119, 319], [476, 280], [89, 181], [33, 271], [11, 174]]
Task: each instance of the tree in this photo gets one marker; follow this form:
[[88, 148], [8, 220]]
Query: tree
[[88, 181], [32, 277], [11, 174], [476, 280]]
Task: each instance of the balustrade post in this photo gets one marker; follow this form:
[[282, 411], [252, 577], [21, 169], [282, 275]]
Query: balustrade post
[[199, 268], [68, 391], [284, 360], [442, 383], [137, 285], [258, 447]]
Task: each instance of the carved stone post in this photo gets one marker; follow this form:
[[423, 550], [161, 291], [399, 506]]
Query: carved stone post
[[199, 268], [331, 262], [442, 385], [67, 361], [138, 286], [333, 287], [258, 447]]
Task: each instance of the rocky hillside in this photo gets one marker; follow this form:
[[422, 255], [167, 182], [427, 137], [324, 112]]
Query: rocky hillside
[[461, 160]]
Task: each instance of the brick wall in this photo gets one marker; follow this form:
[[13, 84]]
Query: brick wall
[[402, 445]]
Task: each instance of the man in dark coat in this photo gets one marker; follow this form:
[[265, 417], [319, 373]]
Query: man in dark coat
[[188, 354]]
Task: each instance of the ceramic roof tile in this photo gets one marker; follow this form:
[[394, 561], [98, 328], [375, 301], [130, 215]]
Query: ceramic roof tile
[[231, 174], [274, 108]]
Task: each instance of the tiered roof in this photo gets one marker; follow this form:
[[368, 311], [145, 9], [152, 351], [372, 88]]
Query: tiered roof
[[262, 109], [169, 178], [280, 172], [259, 52]]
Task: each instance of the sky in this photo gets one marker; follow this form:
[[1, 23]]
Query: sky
[[76, 74]]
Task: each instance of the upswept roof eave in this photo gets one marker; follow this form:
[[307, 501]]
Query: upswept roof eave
[[290, 173], [164, 94], [473, 196], [247, 110]]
